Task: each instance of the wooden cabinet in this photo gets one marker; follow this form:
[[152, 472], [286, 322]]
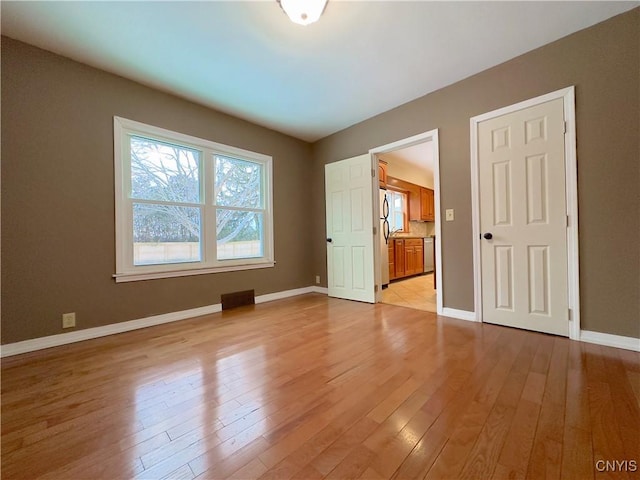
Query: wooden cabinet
[[427, 205], [406, 257], [409, 260], [399, 257], [419, 257], [414, 256], [392, 263], [414, 202], [382, 174], [421, 199]]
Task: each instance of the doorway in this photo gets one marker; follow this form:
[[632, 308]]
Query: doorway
[[409, 263]]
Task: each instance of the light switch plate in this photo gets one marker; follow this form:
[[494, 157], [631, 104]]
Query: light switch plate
[[449, 214]]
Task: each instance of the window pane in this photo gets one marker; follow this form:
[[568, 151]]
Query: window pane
[[165, 234], [239, 234], [238, 183], [396, 215], [160, 171]]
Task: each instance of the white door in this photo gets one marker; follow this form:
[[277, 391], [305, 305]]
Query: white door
[[350, 256], [521, 168]]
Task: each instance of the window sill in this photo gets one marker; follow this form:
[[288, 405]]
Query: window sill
[[135, 277]]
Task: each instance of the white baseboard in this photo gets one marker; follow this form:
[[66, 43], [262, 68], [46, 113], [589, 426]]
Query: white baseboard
[[608, 340], [628, 343], [459, 314], [97, 332], [269, 297]]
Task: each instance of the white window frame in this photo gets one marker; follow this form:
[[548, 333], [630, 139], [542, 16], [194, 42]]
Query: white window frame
[[126, 271], [405, 207]]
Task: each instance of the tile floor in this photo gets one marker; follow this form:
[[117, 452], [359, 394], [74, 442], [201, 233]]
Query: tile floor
[[415, 292]]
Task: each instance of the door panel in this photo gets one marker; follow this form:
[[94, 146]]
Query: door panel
[[350, 256], [504, 277], [523, 206]]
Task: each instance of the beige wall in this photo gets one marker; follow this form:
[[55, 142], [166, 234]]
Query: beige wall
[[57, 182], [603, 63], [58, 250]]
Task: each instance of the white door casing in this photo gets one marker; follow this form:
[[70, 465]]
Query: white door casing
[[521, 173], [350, 237]]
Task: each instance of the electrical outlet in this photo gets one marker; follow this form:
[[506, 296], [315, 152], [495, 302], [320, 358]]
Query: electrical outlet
[[68, 320], [449, 215], [317, 279]]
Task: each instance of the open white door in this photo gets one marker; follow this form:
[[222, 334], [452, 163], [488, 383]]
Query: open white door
[[523, 219], [350, 238]]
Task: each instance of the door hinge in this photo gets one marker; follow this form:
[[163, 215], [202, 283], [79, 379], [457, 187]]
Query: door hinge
[[570, 314], [375, 230], [375, 288], [373, 173], [564, 127], [568, 222]]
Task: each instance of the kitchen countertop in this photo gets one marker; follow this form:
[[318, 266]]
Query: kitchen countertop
[[405, 237], [409, 236]]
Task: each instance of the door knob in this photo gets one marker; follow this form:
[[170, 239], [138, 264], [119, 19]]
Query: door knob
[[488, 236], [329, 240]]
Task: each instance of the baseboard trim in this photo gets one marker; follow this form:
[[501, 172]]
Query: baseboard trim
[[270, 297], [27, 346], [459, 314], [608, 340], [10, 349]]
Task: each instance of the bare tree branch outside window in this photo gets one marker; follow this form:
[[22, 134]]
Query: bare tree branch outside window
[[170, 173]]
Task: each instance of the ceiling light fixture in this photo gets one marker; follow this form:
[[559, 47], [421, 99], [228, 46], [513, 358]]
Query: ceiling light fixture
[[303, 12]]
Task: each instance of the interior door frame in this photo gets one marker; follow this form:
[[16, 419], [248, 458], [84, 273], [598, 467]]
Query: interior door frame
[[431, 135], [571, 192]]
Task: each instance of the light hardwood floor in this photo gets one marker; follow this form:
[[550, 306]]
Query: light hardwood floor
[[313, 387], [414, 292]]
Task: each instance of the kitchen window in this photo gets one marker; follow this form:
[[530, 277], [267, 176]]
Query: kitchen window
[[188, 206], [398, 213]]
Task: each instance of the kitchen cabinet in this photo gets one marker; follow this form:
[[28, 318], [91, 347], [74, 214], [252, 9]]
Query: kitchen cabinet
[[414, 256], [406, 257], [399, 257], [427, 205], [392, 263], [382, 174], [421, 199]]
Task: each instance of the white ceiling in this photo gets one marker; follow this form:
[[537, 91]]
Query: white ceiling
[[247, 59], [413, 164], [415, 156]]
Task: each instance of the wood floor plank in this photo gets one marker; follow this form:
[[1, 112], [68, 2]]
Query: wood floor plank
[[607, 442], [313, 387], [254, 469], [331, 457], [484, 455], [446, 414], [353, 465], [546, 454], [451, 459], [624, 408], [577, 454], [515, 454]]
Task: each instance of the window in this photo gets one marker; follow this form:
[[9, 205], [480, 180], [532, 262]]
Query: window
[[397, 211], [186, 206]]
